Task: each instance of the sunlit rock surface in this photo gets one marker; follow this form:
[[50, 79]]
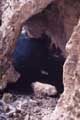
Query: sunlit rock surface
[[41, 89]]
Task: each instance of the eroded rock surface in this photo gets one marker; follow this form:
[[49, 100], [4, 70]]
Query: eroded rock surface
[[41, 89], [57, 20], [68, 107]]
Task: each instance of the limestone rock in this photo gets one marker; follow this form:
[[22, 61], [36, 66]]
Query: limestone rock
[[57, 20], [3, 116], [26, 117], [43, 89], [68, 107], [7, 97]]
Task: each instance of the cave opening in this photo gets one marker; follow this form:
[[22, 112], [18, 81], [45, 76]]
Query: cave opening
[[56, 25], [39, 53]]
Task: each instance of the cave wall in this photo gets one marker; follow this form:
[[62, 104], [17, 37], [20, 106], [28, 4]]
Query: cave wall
[[57, 20], [68, 107], [51, 22]]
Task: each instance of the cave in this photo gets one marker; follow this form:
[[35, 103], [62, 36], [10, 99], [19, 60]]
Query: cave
[[37, 56], [59, 21]]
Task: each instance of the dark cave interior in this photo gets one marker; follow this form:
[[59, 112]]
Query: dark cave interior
[[35, 60]]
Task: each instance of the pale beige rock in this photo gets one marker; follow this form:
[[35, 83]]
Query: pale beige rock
[[26, 117], [57, 20], [68, 107], [7, 97], [43, 89]]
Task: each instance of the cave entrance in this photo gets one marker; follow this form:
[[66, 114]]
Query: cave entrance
[[39, 54], [47, 24], [36, 60]]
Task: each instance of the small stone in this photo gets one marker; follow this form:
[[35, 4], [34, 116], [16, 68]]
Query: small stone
[[11, 112], [7, 97], [2, 112], [18, 110], [43, 89], [6, 108], [10, 115], [26, 117]]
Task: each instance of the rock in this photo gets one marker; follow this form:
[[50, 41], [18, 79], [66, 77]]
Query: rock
[[2, 112], [3, 84], [6, 108], [42, 89], [26, 117], [10, 110], [7, 97], [68, 107], [57, 20]]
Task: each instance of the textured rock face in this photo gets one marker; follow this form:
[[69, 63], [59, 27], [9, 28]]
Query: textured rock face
[[14, 14], [57, 20], [51, 22], [68, 107], [41, 89]]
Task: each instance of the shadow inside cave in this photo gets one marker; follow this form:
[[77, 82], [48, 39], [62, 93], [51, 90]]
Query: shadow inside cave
[[36, 62]]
